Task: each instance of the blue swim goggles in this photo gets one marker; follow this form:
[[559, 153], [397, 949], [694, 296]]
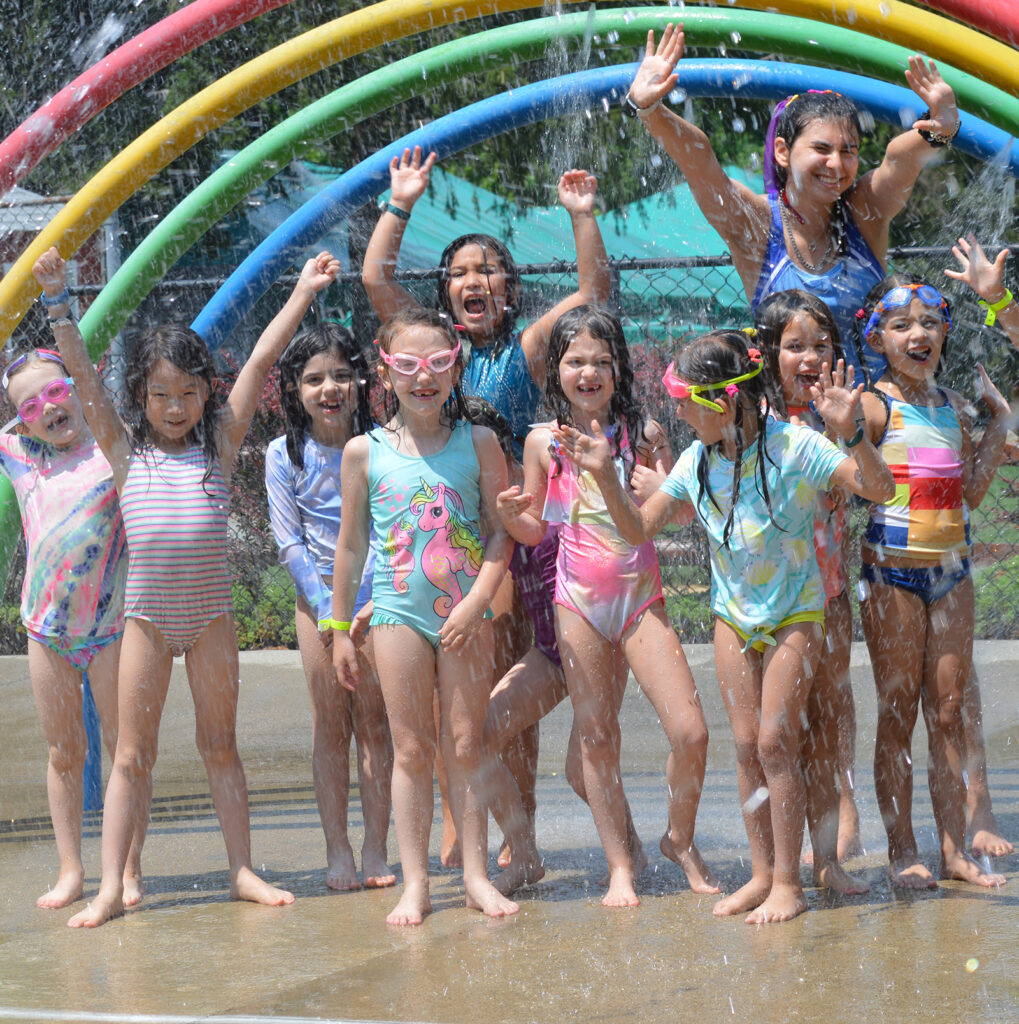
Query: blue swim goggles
[[903, 295]]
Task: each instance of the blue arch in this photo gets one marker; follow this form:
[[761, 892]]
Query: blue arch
[[556, 97]]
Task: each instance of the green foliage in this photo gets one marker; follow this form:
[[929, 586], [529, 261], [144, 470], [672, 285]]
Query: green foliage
[[265, 613], [997, 600]]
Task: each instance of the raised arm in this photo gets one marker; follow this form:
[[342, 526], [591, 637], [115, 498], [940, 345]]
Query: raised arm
[[408, 179], [838, 403], [879, 195], [50, 271], [987, 279], [351, 552], [519, 509], [981, 462], [577, 191], [318, 273], [740, 216]]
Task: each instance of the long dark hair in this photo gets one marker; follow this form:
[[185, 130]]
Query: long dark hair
[[514, 286], [420, 316], [183, 348], [721, 356], [881, 289], [328, 338], [772, 317], [623, 408]]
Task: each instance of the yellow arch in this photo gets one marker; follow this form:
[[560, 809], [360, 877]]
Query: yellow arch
[[395, 19]]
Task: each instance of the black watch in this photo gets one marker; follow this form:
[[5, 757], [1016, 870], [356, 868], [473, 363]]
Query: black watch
[[630, 109]]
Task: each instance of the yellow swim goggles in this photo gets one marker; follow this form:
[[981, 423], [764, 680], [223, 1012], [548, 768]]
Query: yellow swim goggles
[[679, 388]]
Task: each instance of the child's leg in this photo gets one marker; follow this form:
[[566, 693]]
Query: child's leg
[[895, 625], [405, 661], [214, 679], [330, 748], [984, 832], [788, 677], [464, 679], [658, 662], [740, 681], [949, 657], [828, 702], [145, 665], [374, 770], [103, 671], [56, 686], [589, 660]]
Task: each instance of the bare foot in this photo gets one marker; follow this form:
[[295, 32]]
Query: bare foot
[[341, 872], [411, 910], [987, 843], [99, 911], [524, 869], [963, 868], [836, 878], [784, 902], [483, 896], [69, 888], [637, 857], [621, 891], [748, 897], [910, 874], [698, 874], [134, 889], [505, 857], [246, 885], [376, 871]]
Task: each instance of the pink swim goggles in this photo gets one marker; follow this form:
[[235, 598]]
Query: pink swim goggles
[[407, 365], [54, 393], [680, 389]]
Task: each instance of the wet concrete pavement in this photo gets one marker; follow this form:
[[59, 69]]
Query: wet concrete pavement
[[189, 953]]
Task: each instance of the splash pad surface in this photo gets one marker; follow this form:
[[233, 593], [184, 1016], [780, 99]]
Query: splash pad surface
[[190, 954]]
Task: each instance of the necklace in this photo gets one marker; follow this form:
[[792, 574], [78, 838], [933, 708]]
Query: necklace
[[812, 268]]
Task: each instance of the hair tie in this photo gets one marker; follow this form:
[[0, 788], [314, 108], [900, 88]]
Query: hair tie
[[860, 314], [755, 354], [750, 332], [731, 389], [459, 327]]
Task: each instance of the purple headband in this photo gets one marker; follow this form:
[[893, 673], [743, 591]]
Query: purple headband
[[770, 179]]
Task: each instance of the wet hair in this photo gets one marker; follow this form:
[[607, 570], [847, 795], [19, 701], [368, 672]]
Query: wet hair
[[32, 358], [880, 290], [789, 121], [481, 412], [720, 356], [409, 318], [624, 409], [183, 348], [773, 316], [514, 286], [328, 338]]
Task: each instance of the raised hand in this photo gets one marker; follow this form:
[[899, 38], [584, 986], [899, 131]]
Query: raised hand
[[592, 452], [408, 177], [50, 270], [513, 503], [836, 400], [320, 272], [987, 279], [992, 397], [656, 76], [577, 190], [926, 81]]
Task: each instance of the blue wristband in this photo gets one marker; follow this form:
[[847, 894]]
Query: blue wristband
[[56, 300]]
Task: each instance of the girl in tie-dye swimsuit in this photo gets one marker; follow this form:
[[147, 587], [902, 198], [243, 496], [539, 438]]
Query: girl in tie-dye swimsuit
[[171, 459], [608, 595]]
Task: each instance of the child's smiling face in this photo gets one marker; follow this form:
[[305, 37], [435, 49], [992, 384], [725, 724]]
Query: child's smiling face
[[587, 374], [804, 347], [327, 385], [911, 338], [59, 423]]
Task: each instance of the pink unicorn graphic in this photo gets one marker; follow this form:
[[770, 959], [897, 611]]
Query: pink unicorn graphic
[[454, 546], [396, 548]]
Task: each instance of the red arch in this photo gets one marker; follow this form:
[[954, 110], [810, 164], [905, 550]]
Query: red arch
[[114, 74], [998, 18]]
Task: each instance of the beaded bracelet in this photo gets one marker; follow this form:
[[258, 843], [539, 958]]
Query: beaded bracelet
[[62, 321], [994, 308], [937, 139]]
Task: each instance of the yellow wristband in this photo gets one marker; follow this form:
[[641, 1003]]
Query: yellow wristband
[[994, 308], [324, 624]]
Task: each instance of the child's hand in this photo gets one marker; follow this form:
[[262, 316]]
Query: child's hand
[[992, 397], [359, 624], [926, 81], [408, 177], [462, 625], [590, 452], [348, 675], [577, 190], [320, 272], [644, 481], [513, 503], [985, 278], [656, 75], [50, 270], [836, 400]]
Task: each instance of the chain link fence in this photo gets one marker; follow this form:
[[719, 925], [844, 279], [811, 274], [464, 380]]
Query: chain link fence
[[662, 302]]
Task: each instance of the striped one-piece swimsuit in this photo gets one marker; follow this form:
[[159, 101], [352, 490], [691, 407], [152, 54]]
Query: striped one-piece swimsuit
[[176, 529]]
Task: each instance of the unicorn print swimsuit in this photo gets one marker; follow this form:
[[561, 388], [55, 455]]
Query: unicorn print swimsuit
[[424, 513]]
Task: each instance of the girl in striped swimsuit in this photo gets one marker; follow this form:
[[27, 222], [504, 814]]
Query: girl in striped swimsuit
[[171, 460]]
